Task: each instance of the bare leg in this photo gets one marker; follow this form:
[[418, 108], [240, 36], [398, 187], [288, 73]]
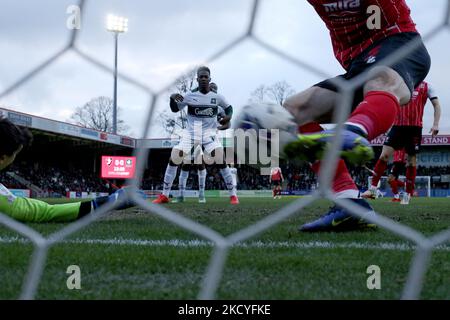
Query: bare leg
[[386, 153], [388, 80], [383, 95]]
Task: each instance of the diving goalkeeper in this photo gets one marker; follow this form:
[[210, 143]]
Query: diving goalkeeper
[[12, 140]]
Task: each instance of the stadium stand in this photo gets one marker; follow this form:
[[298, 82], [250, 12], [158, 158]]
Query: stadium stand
[[68, 170]]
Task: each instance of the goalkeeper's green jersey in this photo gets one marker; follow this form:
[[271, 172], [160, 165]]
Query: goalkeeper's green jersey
[[32, 210]]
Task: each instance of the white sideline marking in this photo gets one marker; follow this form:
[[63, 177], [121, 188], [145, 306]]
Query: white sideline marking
[[251, 244]]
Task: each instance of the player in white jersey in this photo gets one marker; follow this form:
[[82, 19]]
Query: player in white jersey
[[197, 158], [276, 179], [202, 108]]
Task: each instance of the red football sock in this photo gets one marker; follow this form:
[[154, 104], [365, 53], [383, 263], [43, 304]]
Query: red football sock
[[410, 179], [376, 113], [310, 127], [400, 183], [379, 169], [394, 186], [342, 180]]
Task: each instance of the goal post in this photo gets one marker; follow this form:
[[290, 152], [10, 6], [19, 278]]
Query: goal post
[[422, 186]]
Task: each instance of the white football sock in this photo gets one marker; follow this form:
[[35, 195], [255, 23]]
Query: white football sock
[[169, 176], [228, 178], [182, 180], [234, 175], [201, 181]]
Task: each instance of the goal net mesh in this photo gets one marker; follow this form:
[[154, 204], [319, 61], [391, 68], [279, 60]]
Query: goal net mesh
[[223, 243]]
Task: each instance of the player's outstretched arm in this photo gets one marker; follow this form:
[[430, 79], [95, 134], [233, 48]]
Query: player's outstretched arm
[[33, 210], [437, 117]]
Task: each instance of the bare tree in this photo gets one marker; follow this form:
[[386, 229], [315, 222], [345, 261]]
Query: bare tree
[[185, 83], [98, 114], [279, 91], [259, 94], [172, 122]]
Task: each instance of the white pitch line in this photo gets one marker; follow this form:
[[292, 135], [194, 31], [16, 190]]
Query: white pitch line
[[250, 244]]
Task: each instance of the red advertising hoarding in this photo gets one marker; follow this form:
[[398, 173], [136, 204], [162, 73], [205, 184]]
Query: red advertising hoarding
[[114, 167]]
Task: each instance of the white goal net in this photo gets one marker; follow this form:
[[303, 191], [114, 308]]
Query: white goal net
[[224, 242]]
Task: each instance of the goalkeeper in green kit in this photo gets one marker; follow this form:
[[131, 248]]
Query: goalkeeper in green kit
[[12, 140]]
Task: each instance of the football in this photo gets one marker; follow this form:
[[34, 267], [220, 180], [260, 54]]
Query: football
[[268, 116]]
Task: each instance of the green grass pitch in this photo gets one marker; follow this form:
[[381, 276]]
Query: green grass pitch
[[135, 255]]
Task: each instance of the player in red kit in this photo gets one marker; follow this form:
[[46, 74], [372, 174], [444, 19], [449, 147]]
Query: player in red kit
[[360, 45], [276, 179], [407, 133], [397, 168]]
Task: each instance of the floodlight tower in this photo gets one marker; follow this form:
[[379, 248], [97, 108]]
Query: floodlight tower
[[116, 25]]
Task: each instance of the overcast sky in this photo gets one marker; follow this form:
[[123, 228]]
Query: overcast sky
[[167, 38]]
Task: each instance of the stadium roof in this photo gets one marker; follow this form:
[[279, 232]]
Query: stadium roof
[[64, 128]]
